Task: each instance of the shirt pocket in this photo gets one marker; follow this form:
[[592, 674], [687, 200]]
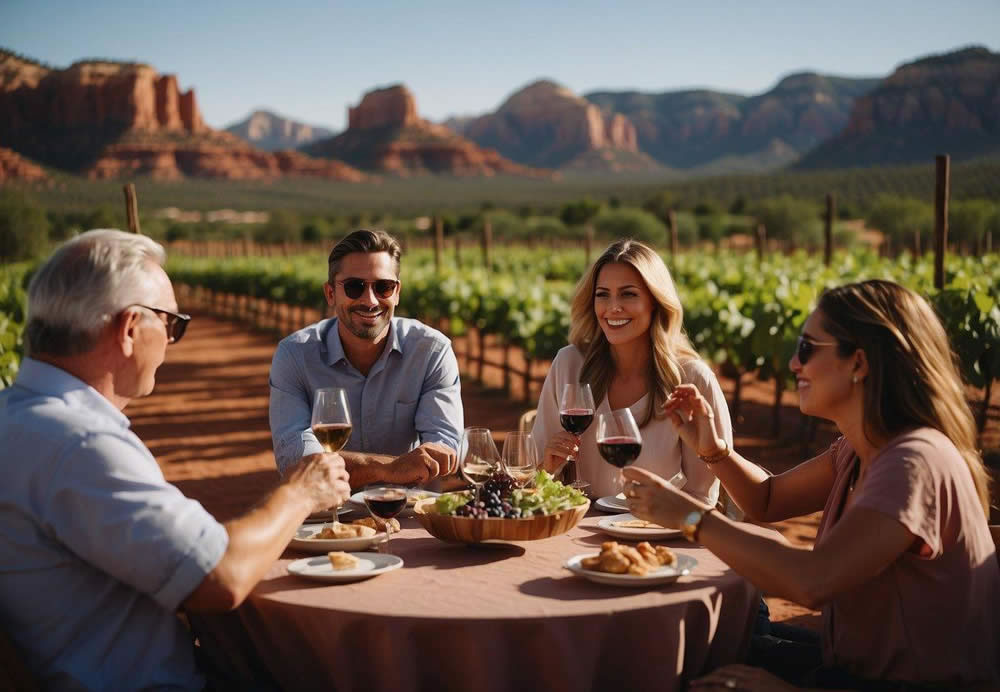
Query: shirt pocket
[[404, 413]]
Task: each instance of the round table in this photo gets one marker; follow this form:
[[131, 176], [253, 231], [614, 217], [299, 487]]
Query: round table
[[500, 616]]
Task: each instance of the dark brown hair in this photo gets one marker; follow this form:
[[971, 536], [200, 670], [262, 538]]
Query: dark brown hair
[[363, 240]]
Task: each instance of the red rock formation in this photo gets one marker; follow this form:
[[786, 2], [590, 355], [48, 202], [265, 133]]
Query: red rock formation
[[385, 134], [548, 125], [389, 107], [110, 120], [15, 167]]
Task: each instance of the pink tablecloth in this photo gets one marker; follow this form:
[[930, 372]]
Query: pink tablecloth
[[493, 617]]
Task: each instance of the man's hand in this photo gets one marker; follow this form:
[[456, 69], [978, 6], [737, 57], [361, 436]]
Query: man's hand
[[423, 464], [323, 479]]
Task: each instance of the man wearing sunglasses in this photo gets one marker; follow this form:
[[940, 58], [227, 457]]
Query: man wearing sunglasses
[[97, 550], [401, 376]]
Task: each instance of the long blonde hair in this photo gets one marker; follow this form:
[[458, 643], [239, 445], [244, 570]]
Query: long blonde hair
[[913, 376], [670, 346]]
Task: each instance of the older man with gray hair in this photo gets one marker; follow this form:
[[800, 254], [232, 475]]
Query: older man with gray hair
[[97, 550]]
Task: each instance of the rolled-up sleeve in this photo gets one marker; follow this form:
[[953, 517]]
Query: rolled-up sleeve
[[289, 411], [439, 416], [111, 506]]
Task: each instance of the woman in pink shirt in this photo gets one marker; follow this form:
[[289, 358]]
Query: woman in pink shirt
[[904, 567]]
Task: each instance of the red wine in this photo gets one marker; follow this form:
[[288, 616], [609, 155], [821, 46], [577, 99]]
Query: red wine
[[576, 420], [619, 451], [386, 505]]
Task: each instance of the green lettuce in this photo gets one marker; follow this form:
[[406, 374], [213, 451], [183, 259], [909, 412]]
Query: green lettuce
[[549, 496], [449, 502]]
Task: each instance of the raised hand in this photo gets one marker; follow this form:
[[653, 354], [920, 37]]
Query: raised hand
[[653, 498], [694, 419], [423, 464], [323, 479], [559, 447]]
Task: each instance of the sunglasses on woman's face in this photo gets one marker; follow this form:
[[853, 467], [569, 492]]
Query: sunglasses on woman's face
[[383, 288], [805, 348]]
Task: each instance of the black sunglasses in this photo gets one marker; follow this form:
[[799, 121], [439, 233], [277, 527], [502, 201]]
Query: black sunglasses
[[805, 348], [176, 322], [353, 288]]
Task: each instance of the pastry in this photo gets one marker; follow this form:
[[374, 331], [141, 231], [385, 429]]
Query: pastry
[[380, 525], [338, 531], [342, 560], [615, 558]]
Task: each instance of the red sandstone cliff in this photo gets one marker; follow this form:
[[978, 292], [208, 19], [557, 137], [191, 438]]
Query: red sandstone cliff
[[385, 134], [546, 124], [15, 167], [106, 119]]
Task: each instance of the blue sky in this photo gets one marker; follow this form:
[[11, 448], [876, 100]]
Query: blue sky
[[312, 60]]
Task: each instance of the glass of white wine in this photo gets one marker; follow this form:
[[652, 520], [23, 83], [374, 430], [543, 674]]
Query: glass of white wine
[[478, 456], [520, 457], [331, 418]]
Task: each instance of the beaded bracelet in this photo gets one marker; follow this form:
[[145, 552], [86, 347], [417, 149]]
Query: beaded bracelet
[[710, 459]]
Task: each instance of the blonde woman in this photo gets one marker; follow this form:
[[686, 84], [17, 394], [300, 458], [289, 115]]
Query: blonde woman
[[627, 343], [904, 567]]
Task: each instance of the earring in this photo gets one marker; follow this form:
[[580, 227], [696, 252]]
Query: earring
[[854, 379]]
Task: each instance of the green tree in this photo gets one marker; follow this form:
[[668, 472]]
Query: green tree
[[901, 219], [968, 221], [629, 222], [789, 219], [24, 227], [282, 227], [578, 213]]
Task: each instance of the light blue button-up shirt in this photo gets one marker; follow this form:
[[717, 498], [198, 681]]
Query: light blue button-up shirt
[[412, 393], [97, 550]]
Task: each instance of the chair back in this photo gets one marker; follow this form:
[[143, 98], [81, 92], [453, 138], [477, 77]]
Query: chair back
[[527, 420]]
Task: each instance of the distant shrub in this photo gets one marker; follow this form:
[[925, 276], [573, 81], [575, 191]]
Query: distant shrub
[[794, 221], [968, 220], [282, 227], [544, 227], [24, 227], [580, 212], [629, 222], [901, 219]]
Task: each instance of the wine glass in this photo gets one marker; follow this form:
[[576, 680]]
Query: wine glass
[[331, 418], [618, 438], [520, 457], [478, 456], [385, 502], [576, 413]]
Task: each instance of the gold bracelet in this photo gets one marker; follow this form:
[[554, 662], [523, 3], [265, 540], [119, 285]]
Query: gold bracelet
[[718, 456]]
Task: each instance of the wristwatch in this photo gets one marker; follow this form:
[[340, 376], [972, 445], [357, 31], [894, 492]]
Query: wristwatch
[[692, 522]]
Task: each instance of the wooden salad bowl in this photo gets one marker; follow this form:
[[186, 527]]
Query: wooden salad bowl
[[469, 530]]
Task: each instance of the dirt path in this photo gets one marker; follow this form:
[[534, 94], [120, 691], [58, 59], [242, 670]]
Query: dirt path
[[206, 423]]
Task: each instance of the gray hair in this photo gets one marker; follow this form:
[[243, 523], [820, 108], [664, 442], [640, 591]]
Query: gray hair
[[86, 282]]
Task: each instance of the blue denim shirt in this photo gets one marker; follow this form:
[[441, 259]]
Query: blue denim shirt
[[97, 550], [412, 393]]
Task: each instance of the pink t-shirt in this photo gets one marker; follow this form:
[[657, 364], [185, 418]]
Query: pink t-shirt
[[933, 615]]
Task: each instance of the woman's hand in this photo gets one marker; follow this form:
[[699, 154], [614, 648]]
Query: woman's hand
[[652, 498], [560, 446], [740, 678], [694, 419]]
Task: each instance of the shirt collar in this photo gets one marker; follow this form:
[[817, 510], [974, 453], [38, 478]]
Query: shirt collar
[[53, 381], [332, 349]]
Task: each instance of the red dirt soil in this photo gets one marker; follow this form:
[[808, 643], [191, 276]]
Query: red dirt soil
[[206, 423]]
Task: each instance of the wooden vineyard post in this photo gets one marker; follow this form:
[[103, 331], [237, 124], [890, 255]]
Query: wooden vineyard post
[[761, 237], [131, 208], [438, 242], [672, 231], [831, 212], [941, 193], [487, 244], [458, 251], [588, 241]]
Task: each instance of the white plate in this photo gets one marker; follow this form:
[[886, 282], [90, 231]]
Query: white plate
[[412, 495], [607, 524], [611, 503], [303, 540], [663, 575], [369, 565], [328, 514]]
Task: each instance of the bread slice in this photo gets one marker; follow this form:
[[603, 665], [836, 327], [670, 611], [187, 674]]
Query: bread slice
[[341, 560]]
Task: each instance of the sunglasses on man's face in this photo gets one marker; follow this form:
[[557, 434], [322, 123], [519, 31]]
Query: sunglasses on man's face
[[176, 322], [354, 288], [805, 348]]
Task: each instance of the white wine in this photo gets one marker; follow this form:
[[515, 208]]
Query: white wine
[[478, 471], [521, 475], [332, 437]]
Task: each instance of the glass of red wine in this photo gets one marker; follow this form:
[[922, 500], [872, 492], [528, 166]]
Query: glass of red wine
[[385, 502], [576, 413], [618, 438]]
